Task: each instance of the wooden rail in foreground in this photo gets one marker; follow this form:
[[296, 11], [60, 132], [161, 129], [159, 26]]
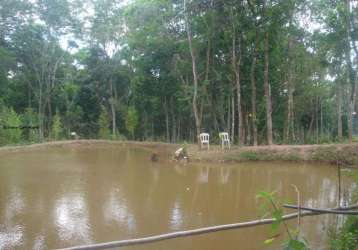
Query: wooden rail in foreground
[[204, 230]]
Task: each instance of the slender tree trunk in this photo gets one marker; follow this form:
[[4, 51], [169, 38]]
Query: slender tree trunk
[[195, 76], [268, 92], [313, 118], [145, 129], [290, 117], [236, 63], [248, 130], [316, 111], [321, 110], [152, 128], [350, 120], [351, 73], [228, 127], [174, 129], [253, 89], [49, 108], [113, 108], [40, 114], [232, 132], [339, 111], [179, 136], [166, 119], [290, 130]]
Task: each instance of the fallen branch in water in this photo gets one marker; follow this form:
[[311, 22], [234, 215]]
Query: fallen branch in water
[[205, 230], [324, 210]]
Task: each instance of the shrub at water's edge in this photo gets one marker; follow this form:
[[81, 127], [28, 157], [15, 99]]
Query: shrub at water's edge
[[346, 236]]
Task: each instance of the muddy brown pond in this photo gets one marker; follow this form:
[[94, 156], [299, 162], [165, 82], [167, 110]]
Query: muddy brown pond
[[65, 196]]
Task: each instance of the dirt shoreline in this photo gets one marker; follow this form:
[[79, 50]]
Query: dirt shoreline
[[346, 154]]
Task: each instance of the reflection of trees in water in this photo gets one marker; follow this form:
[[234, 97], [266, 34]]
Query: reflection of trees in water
[[203, 176]]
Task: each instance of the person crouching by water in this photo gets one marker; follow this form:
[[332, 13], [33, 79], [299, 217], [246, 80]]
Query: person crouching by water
[[181, 154]]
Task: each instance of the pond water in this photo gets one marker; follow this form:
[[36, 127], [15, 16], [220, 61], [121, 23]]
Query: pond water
[[66, 196]]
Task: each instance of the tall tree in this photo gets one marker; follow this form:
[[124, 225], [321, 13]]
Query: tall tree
[[195, 73]]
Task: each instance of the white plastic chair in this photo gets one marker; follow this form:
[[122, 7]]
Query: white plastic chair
[[224, 136], [74, 135], [204, 140]]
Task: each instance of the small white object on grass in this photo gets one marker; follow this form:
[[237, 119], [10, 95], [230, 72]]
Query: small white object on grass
[[74, 135]]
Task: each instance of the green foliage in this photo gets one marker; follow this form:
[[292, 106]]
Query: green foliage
[[103, 122], [346, 237], [132, 120], [139, 55], [270, 207], [10, 130], [30, 120], [57, 127]]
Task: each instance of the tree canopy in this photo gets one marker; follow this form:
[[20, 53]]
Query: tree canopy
[[266, 71]]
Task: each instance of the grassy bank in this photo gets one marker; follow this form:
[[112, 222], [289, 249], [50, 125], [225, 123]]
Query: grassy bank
[[153, 146], [346, 154]]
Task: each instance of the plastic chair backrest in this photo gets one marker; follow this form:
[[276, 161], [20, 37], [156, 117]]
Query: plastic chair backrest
[[204, 137]]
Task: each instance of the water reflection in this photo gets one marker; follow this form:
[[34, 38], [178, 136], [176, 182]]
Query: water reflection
[[39, 242], [11, 233], [176, 217], [62, 197], [203, 176], [71, 215], [116, 210], [224, 175], [10, 236], [14, 205]]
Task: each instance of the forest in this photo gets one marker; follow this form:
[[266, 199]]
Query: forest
[[266, 71]]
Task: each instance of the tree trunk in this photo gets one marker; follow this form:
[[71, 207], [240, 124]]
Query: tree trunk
[[195, 76], [145, 129], [113, 109], [290, 130], [166, 119], [248, 131], [268, 92], [40, 114], [232, 132], [174, 129], [228, 127], [321, 110], [236, 63], [350, 120], [316, 111], [49, 117], [253, 90], [339, 111], [290, 117], [351, 73]]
